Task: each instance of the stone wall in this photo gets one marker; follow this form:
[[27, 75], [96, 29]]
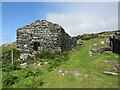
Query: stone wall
[[44, 35], [115, 43]]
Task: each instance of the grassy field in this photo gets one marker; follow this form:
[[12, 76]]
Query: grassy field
[[90, 69], [92, 66]]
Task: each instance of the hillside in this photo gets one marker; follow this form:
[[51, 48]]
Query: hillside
[[74, 69]]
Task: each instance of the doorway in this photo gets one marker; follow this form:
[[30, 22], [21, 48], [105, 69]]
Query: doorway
[[35, 47]]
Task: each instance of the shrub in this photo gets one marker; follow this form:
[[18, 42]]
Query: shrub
[[33, 73], [45, 54], [10, 67], [17, 67], [17, 62], [41, 82], [29, 73], [28, 82], [9, 80], [38, 72]]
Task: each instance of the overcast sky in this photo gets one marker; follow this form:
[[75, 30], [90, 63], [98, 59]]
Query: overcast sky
[[76, 18]]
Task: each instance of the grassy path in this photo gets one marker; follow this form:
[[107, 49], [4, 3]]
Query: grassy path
[[80, 61]]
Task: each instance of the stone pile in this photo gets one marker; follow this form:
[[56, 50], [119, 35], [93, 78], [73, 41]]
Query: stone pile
[[74, 73], [115, 43], [99, 50], [44, 35]]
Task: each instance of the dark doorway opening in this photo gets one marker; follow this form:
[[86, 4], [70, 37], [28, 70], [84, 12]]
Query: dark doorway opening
[[35, 46]]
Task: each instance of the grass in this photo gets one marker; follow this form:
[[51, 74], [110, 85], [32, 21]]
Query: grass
[[79, 60], [93, 66]]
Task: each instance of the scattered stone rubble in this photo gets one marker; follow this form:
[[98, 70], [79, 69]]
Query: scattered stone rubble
[[112, 65], [44, 35], [74, 73], [102, 50], [115, 43], [99, 50]]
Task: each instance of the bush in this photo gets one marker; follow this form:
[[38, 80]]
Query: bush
[[45, 55], [30, 82], [29, 73], [17, 62], [17, 67], [41, 82], [6, 53], [9, 80], [54, 58], [10, 67], [33, 73]]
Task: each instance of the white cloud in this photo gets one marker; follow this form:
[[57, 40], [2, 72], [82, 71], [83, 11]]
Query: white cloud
[[77, 23]]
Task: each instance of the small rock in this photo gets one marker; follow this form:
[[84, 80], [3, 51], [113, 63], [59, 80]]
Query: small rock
[[85, 75], [103, 42], [23, 65], [63, 74], [76, 74], [95, 44], [40, 64], [46, 63], [60, 71], [66, 71], [106, 61]]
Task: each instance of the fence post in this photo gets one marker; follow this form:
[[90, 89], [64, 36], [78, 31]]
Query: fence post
[[12, 56]]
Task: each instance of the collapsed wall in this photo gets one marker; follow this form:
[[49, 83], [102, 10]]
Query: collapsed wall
[[115, 43], [44, 35]]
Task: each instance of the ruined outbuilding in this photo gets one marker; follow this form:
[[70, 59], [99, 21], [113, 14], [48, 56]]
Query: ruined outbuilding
[[44, 35], [115, 43]]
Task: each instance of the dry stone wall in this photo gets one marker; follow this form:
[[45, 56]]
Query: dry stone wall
[[44, 35], [115, 43]]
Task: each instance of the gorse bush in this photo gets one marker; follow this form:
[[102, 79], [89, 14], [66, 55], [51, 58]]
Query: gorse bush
[[9, 80]]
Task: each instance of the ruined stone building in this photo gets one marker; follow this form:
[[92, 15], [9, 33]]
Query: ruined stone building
[[115, 43], [44, 35]]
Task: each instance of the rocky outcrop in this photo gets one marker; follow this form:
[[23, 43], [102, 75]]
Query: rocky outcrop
[[44, 35], [115, 43]]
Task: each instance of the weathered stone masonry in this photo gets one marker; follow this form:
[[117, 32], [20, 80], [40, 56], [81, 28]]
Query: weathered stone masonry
[[115, 43], [44, 35]]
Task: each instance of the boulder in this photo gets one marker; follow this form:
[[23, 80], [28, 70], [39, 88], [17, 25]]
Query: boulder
[[79, 42]]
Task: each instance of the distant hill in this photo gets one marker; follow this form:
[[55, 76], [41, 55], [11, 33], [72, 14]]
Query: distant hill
[[96, 35], [12, 44]]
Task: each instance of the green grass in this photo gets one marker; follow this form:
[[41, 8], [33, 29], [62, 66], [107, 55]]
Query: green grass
[[79, 60], [93, 66]]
